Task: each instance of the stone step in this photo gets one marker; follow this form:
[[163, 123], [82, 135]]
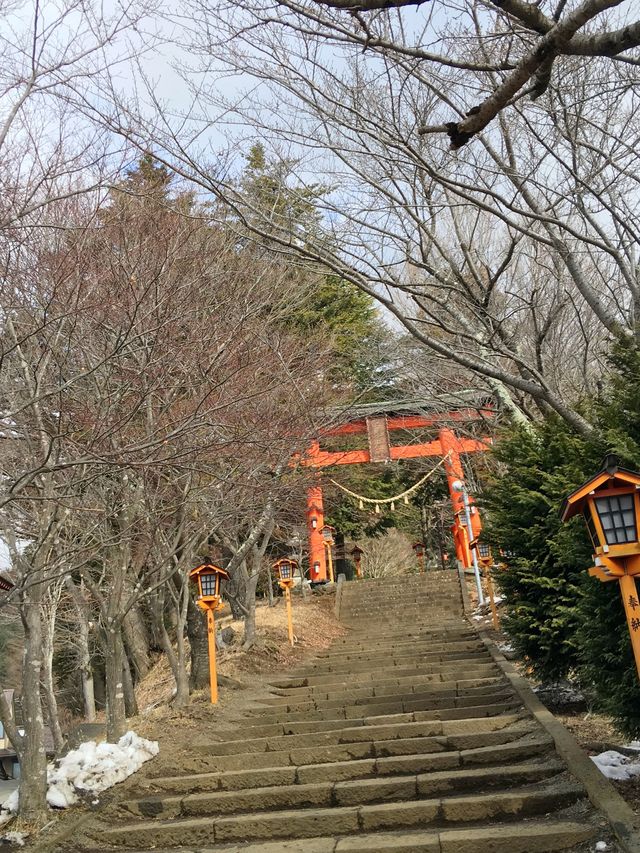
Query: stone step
[[431, 605], [339, 793], [313, 822], [533, 836], [350, 733], [413, 648], [373, 651], [525, 749], [343, 694], [392, 660], [401, 701], [271, 728], [386, 673], [421, 611], [366, 685], [322, 752], [478, 706]]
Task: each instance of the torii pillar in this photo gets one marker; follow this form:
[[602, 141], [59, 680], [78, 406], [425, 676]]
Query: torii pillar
[[315, 523], [451, 446]]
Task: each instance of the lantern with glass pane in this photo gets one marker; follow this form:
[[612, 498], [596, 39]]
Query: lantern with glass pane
[[208, 578], [484, 554], [286, 569], [610, 505]]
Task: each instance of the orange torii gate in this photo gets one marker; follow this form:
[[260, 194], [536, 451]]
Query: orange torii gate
[[377, 427]]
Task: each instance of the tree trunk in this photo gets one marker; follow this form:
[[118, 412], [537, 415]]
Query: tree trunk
[[116, 713], [33, 760], [270, 587], [130, 701], [250, 608], [84, 653], [197, 634], [182, 679], [137, 640], [48, 685], [86, 672]]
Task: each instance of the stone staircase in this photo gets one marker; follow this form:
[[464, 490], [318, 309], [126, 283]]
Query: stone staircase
[[404, 736]]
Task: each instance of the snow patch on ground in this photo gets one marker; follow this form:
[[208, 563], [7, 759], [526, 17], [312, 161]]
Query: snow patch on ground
[[17, 838], [92, 767], [614, 765]]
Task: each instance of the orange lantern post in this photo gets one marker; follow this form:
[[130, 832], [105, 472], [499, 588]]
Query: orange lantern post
[[356, 553], [485, 559], [286, 570], [418, 549], [328, 536], [208, 578], [610, 504]]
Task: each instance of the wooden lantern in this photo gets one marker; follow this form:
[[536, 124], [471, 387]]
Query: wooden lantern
[[610, 505]]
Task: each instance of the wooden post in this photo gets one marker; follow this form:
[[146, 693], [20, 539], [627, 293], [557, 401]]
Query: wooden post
[[494, 610], [330, 561], [287, 598], [629, 592], [211, 634]]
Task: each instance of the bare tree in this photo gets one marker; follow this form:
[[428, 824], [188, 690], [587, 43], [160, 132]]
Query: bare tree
[[502, 52], [514, 260]]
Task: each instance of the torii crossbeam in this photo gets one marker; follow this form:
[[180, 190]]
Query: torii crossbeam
[[377, 421]]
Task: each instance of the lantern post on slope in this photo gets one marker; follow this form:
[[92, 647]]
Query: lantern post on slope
[[418, 550], [356, 553], [329, 537], [286, 569], [610, 505], [208, 578], [485, 559]]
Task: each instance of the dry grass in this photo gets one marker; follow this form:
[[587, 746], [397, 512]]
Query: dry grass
[[315, 627]]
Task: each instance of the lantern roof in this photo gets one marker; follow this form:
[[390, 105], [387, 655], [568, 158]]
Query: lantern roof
[[610, 476], [357, 550], [287, 560], [208, 567]]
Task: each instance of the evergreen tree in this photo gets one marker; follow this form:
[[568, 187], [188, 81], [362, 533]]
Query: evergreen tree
[[543, 581], [560, 619]]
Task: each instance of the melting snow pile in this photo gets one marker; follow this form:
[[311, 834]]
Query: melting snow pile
[[614, 765], [91, 768]]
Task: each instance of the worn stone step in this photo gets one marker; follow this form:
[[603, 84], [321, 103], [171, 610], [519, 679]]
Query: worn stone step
[[522, 750], [312, 822], [397, 649], [384, 670], [384, 693], [334, 752], [379, 730], [346, 690], [385, 702], [288, 727], [339, 793], [372, 653], [434, 708], [391, 661], [532, 836]]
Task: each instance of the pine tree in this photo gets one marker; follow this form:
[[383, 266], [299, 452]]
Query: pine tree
[[543, 581]]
